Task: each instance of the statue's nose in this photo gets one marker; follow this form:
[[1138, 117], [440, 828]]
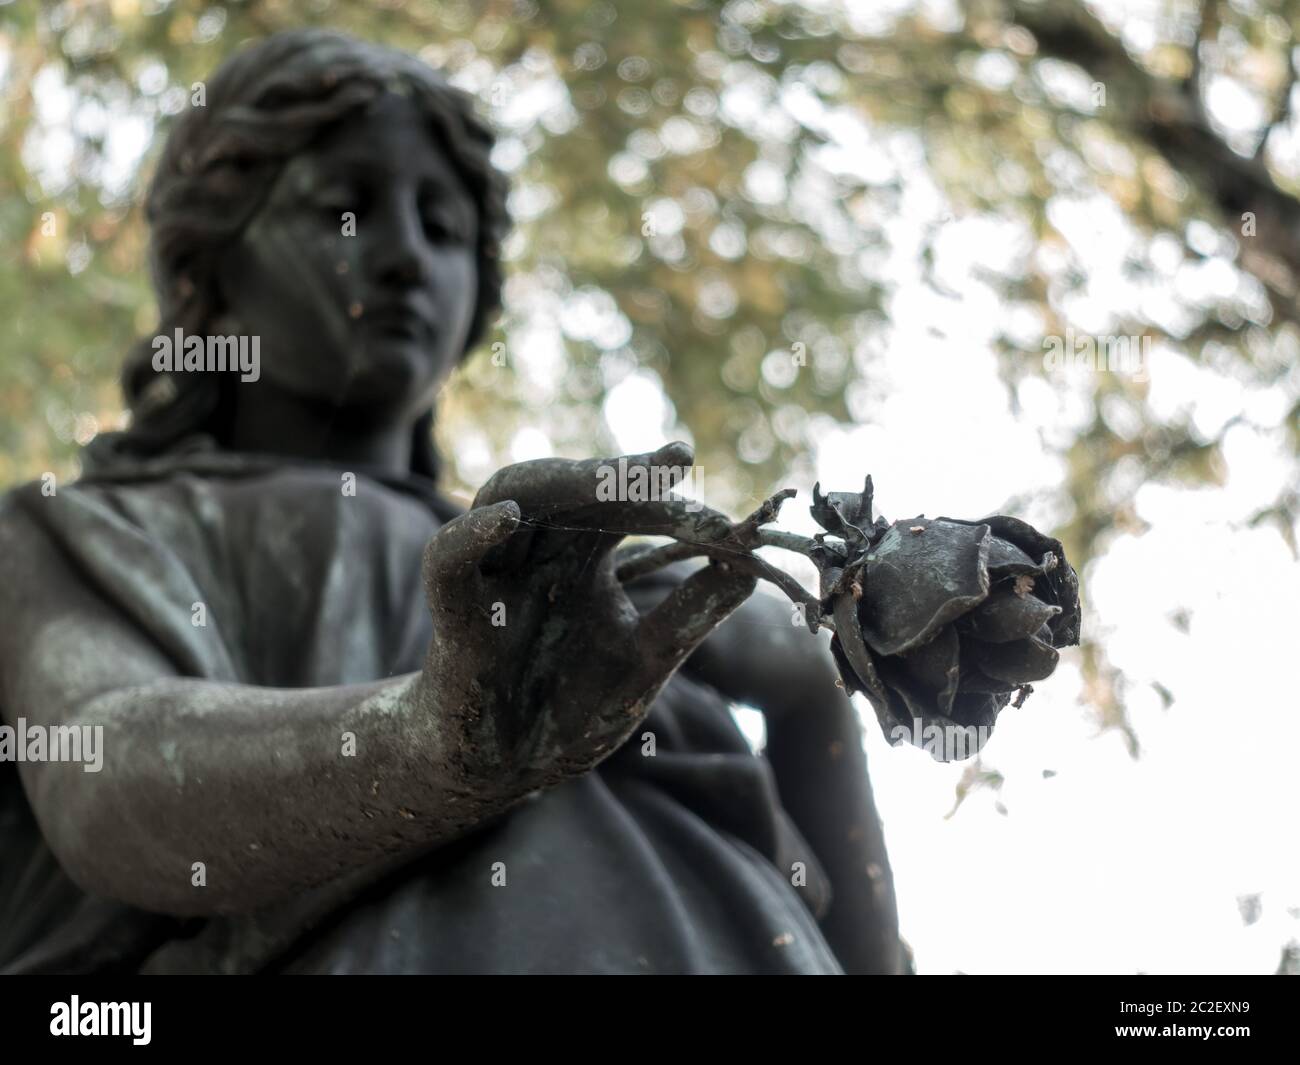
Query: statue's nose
[[397, 252]]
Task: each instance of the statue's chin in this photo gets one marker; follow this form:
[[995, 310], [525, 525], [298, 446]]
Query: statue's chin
[[389, 373]]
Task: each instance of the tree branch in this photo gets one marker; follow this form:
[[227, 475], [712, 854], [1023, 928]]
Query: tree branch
[[1161, 113]]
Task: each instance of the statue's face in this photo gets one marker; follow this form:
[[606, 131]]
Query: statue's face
[[359, 271]]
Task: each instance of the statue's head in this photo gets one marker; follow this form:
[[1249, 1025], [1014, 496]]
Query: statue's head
[[335, 199]]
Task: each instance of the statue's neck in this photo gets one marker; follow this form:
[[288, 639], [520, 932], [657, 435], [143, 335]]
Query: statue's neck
[[277, 423]]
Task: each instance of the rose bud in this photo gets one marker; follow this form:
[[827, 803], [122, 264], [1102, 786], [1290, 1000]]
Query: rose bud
[[942, 619]]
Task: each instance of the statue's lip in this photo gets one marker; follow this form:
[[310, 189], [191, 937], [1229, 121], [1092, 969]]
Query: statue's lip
[[397, 317]]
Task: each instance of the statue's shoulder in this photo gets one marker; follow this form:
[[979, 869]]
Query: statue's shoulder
[[73, 512], [17, 501], [25, 511], [49, 489]]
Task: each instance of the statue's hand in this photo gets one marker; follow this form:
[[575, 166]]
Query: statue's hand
[[540, 666], [763, 654]]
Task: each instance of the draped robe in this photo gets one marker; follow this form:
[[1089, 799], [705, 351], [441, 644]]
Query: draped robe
[[676, 862]]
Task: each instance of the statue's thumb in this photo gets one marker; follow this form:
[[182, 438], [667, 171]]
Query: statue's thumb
[[460, 544]]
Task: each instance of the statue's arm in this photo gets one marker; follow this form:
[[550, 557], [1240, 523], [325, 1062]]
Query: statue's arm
[[252, 782], [814, 744], [821, 771], [275, 790]]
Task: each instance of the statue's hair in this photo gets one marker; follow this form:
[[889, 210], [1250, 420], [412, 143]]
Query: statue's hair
[[262, 106]]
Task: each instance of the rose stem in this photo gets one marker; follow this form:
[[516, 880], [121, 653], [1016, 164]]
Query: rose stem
[[735, 548]]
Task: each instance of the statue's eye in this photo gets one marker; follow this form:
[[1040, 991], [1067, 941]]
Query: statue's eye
[[334, 202], [444, 226]]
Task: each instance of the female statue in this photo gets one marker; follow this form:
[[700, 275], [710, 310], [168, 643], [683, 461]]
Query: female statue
[[348, 727]]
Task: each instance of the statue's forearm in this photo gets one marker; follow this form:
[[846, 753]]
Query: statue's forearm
[[821, 775], [272, 790], [814, 744]]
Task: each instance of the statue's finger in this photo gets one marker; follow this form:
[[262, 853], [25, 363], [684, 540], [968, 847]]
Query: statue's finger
[[681, 519], [674, 628], [458, 546], [590, 533], [549, 487]]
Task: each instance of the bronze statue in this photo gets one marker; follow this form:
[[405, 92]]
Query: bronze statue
[[347, 727]]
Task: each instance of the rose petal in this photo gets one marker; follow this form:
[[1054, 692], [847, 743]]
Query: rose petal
[[847, 645], [916, 711], [1060, 587], [974, 679], [976, 682], [934, 666], [1022, 534], [915, 583], [848, 676], [919, 703], [975, 709], [1019, 661], [1007, 560], [1006, 616]]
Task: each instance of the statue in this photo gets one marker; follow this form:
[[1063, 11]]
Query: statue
[[347, 727]]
